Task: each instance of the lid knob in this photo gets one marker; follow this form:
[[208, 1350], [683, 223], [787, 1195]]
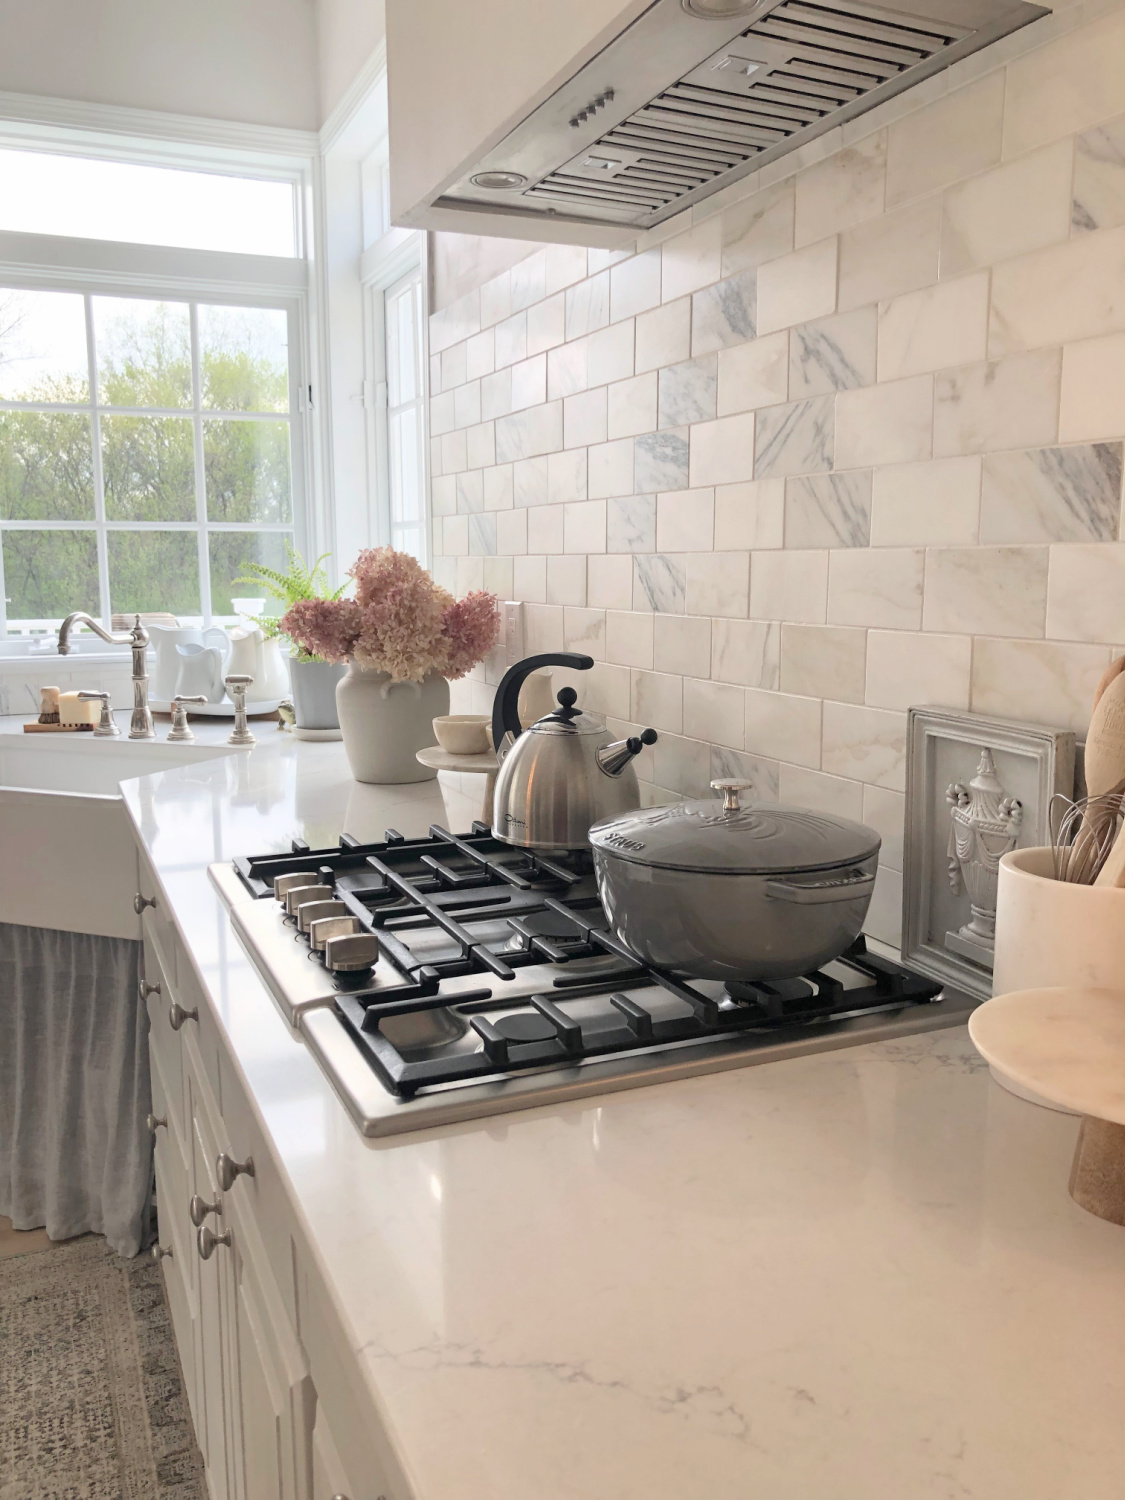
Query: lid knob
[[730, 787], [567, 697]]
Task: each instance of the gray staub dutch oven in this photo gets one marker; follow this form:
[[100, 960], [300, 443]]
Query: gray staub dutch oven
[[721, 890]]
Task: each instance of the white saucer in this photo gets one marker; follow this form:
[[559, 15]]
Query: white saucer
[[224, 710], [314, 734]]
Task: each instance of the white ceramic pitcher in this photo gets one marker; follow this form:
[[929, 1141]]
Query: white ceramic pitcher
[[251, 653], [166, 669]]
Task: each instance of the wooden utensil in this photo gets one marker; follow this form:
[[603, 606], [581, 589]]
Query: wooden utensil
[[1105, 743], [1112, 873]]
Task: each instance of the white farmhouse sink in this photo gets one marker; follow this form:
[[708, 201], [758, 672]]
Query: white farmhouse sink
[[67, 857]]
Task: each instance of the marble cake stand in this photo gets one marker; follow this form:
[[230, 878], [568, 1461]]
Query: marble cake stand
[[1068, 1045], [485, 765]]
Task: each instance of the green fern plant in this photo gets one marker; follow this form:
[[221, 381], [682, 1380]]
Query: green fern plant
[[298, 581]]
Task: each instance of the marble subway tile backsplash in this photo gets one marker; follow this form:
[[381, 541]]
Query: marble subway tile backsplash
[[852, 441]]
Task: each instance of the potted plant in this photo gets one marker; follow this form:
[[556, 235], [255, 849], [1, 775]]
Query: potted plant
[[312, 678], [405, 639]]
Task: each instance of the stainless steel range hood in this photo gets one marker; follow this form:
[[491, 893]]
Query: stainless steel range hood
[[695, 94]]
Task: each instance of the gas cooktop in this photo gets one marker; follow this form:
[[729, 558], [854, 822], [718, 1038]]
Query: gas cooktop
[[453, 976]]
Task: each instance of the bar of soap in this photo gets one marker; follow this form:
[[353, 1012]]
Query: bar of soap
[[76, 710]]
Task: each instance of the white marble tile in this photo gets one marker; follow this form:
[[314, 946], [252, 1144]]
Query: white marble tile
[[529, 384], [610, 469], [496, 394], [546, 323], [905, 668], [718, 583], [789, 586], [1020, 206], [566, 580], [885, 811], [454, 452], [631, 524], [443, 494], [1052, 495], [722, 452], [496, 299], [793, 439], [682, 644], [529, 481], [946, 141], [783, 726], [567, 369], [460, 320], [723, 314], [885, 424], [842, 191], [634, 286], [1051, 682], [632, 406], [1058, 90], [890, 255], [692, 260], [454, 366], [746, 651], [607, 690], [1059, 295], [936, 502], [865, 744], [663, 336], [585, 630], [753, 374], [688, 392], [761, 772], [659, 583], [884, 915], [828, 510], [800, 787], [714, 711], [1092, 402], [529, 580], [511, 340], [470, 491], [609, 582], [511, 532], [466, 404], [986, 590], [469, 576], [758, 229], [823, 661], [609, 353], [877, 586], [566, 264], [545, 530], [480, 445], [585, 418], [750, 516], [1011, 403], [685, 521], [833, 354], [657, 699], [480, 354], [797, 287], [587, 305], [1086, 596], [529, 280], [455, 536], [628, 638], [567, 476], [1098, 200], [525, 434], [683, 766], [931, 329], [661, 461]]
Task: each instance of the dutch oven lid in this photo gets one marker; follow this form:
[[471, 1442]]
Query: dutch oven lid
[[725, 838]]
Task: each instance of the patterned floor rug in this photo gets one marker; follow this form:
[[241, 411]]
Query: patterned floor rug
[[91, 1402]]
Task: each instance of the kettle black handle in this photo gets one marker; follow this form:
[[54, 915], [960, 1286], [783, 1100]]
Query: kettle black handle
[[505, 706]]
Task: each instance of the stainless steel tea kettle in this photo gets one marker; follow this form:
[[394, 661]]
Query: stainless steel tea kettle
[[562, 773]]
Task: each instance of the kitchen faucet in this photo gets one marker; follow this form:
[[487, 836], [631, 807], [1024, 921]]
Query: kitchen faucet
[[140, 725]]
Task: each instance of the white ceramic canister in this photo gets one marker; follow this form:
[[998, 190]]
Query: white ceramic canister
[[386, 723]]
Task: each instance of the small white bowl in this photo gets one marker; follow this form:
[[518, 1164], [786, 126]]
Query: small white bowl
[[463, 734]]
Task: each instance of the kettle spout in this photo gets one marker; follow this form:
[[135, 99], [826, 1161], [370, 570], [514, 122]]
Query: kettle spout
[[614, 758]]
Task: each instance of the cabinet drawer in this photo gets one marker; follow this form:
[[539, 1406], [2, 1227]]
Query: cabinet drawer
[[164, 1042], [175, 1234], [165, 1106]]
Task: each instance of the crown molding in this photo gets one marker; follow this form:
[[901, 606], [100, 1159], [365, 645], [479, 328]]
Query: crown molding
[[354, 97], [47, 121]]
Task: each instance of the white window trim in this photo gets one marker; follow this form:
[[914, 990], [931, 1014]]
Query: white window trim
[[396, 255]]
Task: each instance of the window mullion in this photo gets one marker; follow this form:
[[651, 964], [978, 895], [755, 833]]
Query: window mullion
[[105, 603], [203, 550]]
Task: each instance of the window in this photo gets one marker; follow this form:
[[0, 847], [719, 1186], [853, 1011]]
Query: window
[[403, 311], [43, 193], [146, 453]]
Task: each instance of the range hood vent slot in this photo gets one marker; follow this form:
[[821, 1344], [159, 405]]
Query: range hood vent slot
[[802, 67]]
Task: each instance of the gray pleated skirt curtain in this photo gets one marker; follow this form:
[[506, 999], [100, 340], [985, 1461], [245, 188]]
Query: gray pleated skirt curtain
[[75, 1155]]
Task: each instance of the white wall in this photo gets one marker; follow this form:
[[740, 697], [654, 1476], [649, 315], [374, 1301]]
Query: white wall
[[348, 31], [253, 61]]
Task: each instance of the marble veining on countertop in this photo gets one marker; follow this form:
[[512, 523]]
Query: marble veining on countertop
[[848, 1276]]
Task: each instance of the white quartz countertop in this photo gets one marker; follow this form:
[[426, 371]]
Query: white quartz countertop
[[851, 1276]]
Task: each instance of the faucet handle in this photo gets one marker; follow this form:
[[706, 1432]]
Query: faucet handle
[[236, 686], [106, 729], [181, 731]]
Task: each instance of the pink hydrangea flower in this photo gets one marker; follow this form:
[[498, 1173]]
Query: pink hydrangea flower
[[471, 627], [326, 628]]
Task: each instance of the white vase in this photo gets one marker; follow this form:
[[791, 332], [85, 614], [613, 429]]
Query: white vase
[[386, 723]]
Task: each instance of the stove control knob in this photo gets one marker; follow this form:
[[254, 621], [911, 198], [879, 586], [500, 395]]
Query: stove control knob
[[309, 911], [284, 883], [323, 928], [297, 895], [352, 953]]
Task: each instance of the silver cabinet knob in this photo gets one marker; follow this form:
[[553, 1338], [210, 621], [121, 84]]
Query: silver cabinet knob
[[158, 1253], [153, 1124], [227, 1169], [199, 1208], [140, 902], [177, 1015], [147, 989], [206, 1239]]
